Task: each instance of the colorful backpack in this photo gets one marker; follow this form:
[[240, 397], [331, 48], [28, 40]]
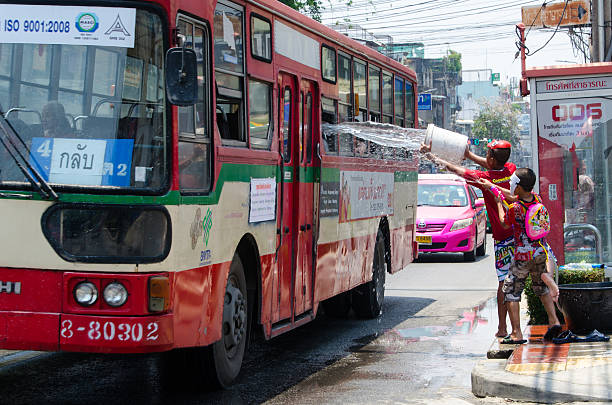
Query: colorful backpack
[[537, 220]]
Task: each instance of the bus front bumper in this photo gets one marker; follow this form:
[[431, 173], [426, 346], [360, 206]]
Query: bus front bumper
[[21, 330]]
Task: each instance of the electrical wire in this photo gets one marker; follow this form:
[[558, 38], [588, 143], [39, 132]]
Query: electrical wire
[[395, 9], [520, 44], [436, 18]]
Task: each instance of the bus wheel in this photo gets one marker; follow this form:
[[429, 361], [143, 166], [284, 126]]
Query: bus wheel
[[368, 298], [227, 353]]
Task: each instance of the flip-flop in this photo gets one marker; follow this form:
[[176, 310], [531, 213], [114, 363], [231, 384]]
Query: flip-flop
[[503, 337], [510, 341], [552, 332], [596, 336], [567, 337]]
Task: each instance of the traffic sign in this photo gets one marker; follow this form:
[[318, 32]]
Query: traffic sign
[[494, 77], [576, 13], [424, 102]]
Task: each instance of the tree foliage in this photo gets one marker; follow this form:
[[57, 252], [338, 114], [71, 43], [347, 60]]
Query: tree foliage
[[311, 7], [496, 120], [452, 61]]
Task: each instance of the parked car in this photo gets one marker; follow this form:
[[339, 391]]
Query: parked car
[[480, 197], [450, 217]]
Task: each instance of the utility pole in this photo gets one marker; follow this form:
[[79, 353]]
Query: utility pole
[[601, 30], [607, 11]]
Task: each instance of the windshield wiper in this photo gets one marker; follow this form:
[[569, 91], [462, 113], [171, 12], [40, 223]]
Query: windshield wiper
[[7, 135]]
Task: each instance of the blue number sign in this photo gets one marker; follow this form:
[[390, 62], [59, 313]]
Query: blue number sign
[[95, 162], [424, 102]]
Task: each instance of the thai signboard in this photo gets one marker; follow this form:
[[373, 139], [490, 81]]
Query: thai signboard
[[570, 122], [365, 195], [566, 14], [574, 84]]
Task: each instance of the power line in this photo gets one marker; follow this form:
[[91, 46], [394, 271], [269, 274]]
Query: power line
[[395, 9], [454, 14]]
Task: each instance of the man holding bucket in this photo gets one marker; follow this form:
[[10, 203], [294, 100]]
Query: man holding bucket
[[498, 172]]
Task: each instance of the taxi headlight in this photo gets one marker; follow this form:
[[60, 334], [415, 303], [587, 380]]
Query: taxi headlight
[[462, 223], [85, 293], [115, 294]]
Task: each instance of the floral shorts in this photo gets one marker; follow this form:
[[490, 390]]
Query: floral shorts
[[514, 284], [504, 252]]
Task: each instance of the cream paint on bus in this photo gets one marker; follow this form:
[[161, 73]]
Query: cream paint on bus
[[28, 248]]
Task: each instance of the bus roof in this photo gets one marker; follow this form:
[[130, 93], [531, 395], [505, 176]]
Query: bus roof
[[307, 23]]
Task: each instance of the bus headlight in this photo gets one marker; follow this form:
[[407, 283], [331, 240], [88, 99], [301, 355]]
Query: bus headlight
[[462, 223], [85, 293], [115, 294]]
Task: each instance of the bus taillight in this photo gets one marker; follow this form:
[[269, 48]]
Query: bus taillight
[[159, 294]]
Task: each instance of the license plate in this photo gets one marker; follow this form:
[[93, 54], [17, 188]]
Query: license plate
[[424, 239], [107, 331]]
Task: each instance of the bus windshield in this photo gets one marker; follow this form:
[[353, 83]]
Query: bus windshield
[[83, 89]]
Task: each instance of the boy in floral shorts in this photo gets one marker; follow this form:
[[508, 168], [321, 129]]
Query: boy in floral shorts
[[529, 257], [498, 172]]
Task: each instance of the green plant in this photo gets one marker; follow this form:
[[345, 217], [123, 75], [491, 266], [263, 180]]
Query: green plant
[[535, 309]]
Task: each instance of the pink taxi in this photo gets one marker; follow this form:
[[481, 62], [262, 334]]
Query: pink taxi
[[450, 216]]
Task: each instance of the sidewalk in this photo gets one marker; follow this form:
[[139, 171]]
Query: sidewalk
[[539, 372]]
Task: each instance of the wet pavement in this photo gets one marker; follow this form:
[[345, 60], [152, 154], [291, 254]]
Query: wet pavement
[[405, 364]]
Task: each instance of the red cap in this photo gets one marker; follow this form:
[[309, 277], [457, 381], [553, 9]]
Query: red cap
[[499, 144]]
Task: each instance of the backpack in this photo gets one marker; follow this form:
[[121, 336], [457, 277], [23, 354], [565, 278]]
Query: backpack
[[537, 220]]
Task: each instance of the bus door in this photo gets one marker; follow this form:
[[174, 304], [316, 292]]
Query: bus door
[[304, 198], [288, 227]]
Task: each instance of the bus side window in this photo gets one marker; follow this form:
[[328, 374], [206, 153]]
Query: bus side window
[[229, 73], [194, 147], [387, 98], [345, 111], [374, 93], [260, 114], [399, 102], [409, 105], [329, 116]]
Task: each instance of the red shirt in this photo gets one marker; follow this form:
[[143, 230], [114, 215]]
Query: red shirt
[[501, 178], [524, 248]]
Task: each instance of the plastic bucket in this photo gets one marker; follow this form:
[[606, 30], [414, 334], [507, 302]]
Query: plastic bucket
[[446, 144]]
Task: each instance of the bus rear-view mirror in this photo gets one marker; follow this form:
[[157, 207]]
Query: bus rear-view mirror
[[181, 79]]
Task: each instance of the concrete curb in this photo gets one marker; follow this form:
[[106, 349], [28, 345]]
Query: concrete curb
[[489, 378]]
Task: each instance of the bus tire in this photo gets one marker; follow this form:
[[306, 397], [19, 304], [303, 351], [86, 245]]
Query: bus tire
[[368, 298], [226, 355]]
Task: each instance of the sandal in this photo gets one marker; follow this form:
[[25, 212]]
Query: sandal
[[596, 336], [567, 337], [552, 332], [509, 341]]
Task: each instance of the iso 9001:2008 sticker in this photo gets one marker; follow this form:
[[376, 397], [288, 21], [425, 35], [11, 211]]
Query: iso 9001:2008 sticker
[[50, 26]]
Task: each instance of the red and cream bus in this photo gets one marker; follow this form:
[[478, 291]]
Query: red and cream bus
[[165, 183]]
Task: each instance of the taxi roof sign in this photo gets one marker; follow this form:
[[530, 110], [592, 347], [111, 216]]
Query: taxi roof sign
[[576, 13]]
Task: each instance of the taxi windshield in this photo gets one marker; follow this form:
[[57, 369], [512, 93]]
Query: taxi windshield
[[82, 88], [442, 195]]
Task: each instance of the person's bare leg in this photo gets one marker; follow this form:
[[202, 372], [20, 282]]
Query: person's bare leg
[[502, 311], [552, 286], [514, 311], [549, 306]]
